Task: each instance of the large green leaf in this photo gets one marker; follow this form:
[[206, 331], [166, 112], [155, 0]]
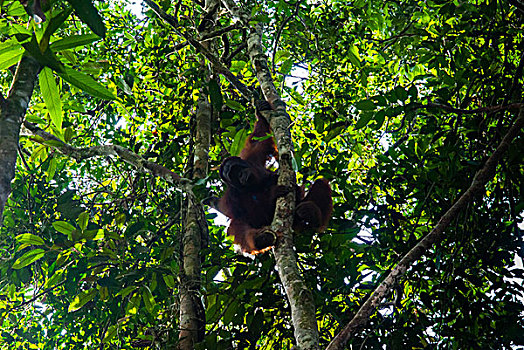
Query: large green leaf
[[55, 22], [82, 299], [215, 95], [87, 84], [89, 15], [63, 227], [10, 53], [74, 41], [28, 258], [51, 96], [238, 142], [28, 238]]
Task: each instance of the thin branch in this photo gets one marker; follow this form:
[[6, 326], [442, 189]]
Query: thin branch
[[240, 47], [384, 289], [491, 109], [221, 31], [142, 164]]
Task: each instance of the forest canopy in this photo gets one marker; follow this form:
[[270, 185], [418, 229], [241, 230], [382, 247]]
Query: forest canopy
[[115, 118]]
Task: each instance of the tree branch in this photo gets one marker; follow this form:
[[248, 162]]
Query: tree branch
[[384, 289], [140, 163]]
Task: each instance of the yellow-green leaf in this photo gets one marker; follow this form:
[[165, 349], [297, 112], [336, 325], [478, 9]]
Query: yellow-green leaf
[[87, 84], [51, 96], [82, 299], [63, 227], [27, 238], [74, 41], [28, 258], [149, 301], [82, 220]]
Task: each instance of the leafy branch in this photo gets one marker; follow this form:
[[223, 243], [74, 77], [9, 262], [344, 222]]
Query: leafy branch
[[384, 289], [141, 164]]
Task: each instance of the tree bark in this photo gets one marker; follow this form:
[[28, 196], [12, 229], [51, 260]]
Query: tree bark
[[12, 114], [192, 311], [192, 314], [303, 312], [385, 288]]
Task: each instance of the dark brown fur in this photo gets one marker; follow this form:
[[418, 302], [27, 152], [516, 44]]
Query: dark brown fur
[[251, 193]]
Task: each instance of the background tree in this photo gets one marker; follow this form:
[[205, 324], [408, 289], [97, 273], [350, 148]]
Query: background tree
[[399, 105]]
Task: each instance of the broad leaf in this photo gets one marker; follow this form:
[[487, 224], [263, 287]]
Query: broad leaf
[[82, 299], [89, 15], [63, 227], [28, 238], [74, 41], [51, 96], [87, 84], [28, 258]]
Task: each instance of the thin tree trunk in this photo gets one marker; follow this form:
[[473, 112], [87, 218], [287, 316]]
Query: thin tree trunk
[[192, 314], [192, 311], [12, 113]]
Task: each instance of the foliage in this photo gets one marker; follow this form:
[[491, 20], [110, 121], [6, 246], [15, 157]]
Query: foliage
[[381, 95]]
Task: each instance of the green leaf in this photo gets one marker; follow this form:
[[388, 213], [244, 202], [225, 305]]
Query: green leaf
[[282, 55], [365, 105], [83, 220], [87, 84], [57, 21], [149, 301], [27, 238], [55, 279], [51, 96], [285, 68], [234, 105], [215, 95], [354, 56], [88, 13], [51, 169], [238, 142], [82, 299], [125, 292], [63, 227], [10, 53], [364, 120], [16, 9], [170, 281], [110, 333], [28, 258], [74, 41]]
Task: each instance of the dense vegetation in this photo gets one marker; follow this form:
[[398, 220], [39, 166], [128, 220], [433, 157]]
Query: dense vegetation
[[399, 104]]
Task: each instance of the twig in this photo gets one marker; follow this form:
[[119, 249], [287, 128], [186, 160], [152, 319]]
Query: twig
[[491, 109], [277, 37], [221, 31]]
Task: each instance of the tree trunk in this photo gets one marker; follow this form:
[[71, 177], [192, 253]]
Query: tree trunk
[[12, 114], [192, 311]]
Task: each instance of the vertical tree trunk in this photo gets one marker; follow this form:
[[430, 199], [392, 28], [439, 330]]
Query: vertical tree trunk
[[192, 314], [12, 112], [303, 312], [192, 311]]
